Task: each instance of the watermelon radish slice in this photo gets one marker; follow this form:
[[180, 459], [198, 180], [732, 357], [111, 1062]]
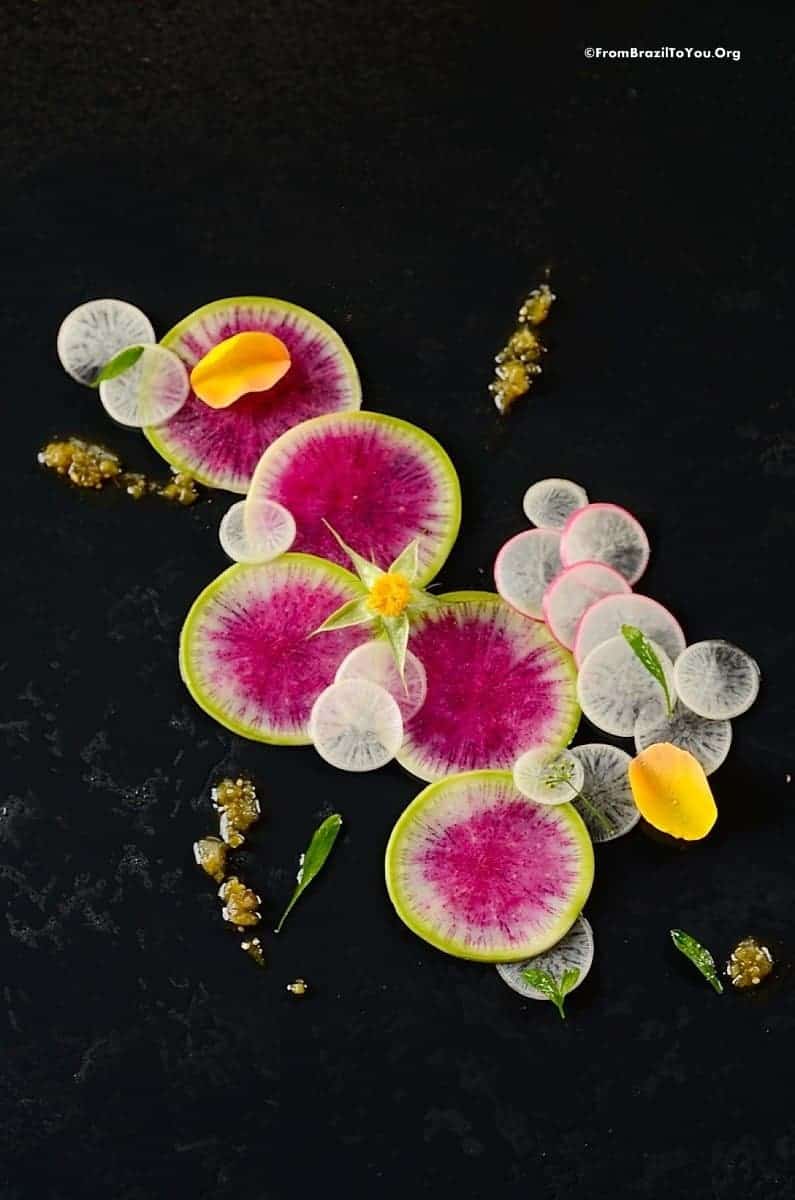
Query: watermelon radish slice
[[94, 333], [548, 778], [716, 679], [572, 592], [605, 804], [481, 872], [379, 482], [614, 687], [604, 619], [498, 685], [524, 568], [608, 534], [375, 661], [246, 655], [574, 952], [221, 447], [149, 392], [708, 741], [274, 535], [550, 502], [356, 725]]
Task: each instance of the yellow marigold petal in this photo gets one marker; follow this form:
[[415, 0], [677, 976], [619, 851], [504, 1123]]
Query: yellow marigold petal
[[672, 792], [247, 362]]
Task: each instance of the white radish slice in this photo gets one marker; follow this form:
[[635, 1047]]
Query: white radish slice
[[608, 534], [548, 778], [574, 952], [550, 502], [604, 619], [95, 332], [574, 591], [525, 566], [275, 535], [356, 725], [614, 687], [708, 741], [716, 679], [606, 804], [149, 392], [376, 662]]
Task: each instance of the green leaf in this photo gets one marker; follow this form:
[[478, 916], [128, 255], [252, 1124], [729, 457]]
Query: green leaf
[[699, 956], [396, 630], [120, 363], [568, 980], [543, 982], [352, 612], [368, 572], [313, 860], [407, 562], [645, 652]]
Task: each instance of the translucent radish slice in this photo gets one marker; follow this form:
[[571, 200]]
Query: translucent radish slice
[[525, 566], [95, 332], [708, 741], [356, 725], [376, 662], [548, 778], [575, 590], [275, 533], [604, 619], [606, 804], [614, 687], [574, 952], [607, 534], [149, 392], [716, 679], [550, 502]]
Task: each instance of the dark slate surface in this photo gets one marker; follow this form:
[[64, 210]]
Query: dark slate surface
[[407, 171]]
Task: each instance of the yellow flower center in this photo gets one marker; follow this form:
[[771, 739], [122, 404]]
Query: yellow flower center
[[389, 595]]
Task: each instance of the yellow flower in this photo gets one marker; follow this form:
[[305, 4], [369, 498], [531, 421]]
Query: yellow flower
[[389, 595]]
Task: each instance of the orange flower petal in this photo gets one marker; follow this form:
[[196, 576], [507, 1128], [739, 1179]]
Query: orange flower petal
[[247, 362], [671, 791]]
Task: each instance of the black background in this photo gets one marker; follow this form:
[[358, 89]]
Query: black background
[[407, 171]]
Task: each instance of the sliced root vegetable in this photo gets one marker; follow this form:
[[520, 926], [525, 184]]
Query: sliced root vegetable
[[378, 481], [605, 802], [554, 778], [375, 661], [221, 447], [672, 792], [614, 687], [608, 534], [574, 952], [604, 619], [95, 332], [498, 685], [716, 679], [356, 725], [274, 535], [573, 592], [481, 872], [708, 741], [149, 392], [246, 654], [525, 567], [550, 502]]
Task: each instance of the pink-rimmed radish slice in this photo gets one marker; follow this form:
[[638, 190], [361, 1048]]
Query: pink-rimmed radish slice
[[575, 590], [717, 680], [524, 568], [614, 687], [94, 333], [574, 952], [605, 803], [481, 872], [149, 392], [548, 778], [275, 533], [605, 617], [550, 502], [376, 662], [608, 534], [708, 741], [356, 725]]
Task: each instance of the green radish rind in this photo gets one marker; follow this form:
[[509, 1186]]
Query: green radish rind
[[556, 930], [330, 572]]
